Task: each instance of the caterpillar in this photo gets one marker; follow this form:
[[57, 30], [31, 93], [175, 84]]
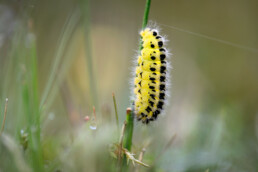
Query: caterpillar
[[150, 77]]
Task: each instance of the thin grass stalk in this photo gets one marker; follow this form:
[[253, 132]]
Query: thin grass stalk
[[115, 106], [146, 14], [88, 48], [130, 112], [129, 129], [5, 112], [69, 29], [64, 38], [35, 103], [120, 146], [31, 106]]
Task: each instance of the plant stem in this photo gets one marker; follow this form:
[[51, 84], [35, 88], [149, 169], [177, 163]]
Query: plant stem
[[128, 135], [5, 112], [85, 7], [114, 101], [63, 41], [146, 14], [34, 105], [129, 129], [120, 165], [130, 112], [145, 19]]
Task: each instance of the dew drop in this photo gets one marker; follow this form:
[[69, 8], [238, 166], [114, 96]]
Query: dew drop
[[93, 126]]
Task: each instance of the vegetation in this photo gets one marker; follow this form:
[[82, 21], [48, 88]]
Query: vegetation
[[60, 62]]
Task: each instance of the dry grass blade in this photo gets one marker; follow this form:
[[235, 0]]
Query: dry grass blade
[[122, 134], [5, 112], [130, 156], [140, 158], [141, 154], [120, 146], [115, 106]]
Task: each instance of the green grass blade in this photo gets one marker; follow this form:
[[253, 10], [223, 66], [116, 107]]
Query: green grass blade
[[85, 7], [64, 38], [130, 113]]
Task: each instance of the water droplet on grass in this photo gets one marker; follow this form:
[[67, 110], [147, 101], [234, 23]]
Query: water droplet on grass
[[93, 126]]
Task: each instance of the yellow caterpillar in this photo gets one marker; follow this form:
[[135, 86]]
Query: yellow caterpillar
[[151, 77]]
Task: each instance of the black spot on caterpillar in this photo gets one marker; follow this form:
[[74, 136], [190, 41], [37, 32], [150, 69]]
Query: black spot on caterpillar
[[162, 49], [148, 109], [152, 96], [162, 87], [160, 105], [160, 43], [162, 57], [162, 96], [162, 69], [162, 78], [152, 69], [155, 114], [151, 87], [151, 103]]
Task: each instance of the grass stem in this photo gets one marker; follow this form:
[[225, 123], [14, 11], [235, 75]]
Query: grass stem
[[146, 14], [130, 112], [67, 31], [120, 147], [85, 7], [5, 112], [129, 129], [115, 106]]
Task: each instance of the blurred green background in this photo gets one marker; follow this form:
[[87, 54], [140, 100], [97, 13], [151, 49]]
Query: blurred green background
[[80, 52]]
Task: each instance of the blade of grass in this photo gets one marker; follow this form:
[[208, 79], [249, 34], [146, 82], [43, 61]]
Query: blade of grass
[[85, 7], [35, 105], [120, 146], [31, 104], [5, 112], [114, 101], [68, 56], [146, 13], [130, 113], [64, 38], [129, 129]]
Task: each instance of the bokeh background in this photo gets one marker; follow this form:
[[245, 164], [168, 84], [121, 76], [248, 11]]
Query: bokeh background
[[80, 52]]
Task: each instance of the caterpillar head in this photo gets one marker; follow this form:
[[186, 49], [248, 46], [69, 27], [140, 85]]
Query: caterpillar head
[[151, 38], [145, 33]]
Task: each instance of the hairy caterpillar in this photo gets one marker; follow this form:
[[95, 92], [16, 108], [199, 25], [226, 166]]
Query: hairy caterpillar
[[151, 77]]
